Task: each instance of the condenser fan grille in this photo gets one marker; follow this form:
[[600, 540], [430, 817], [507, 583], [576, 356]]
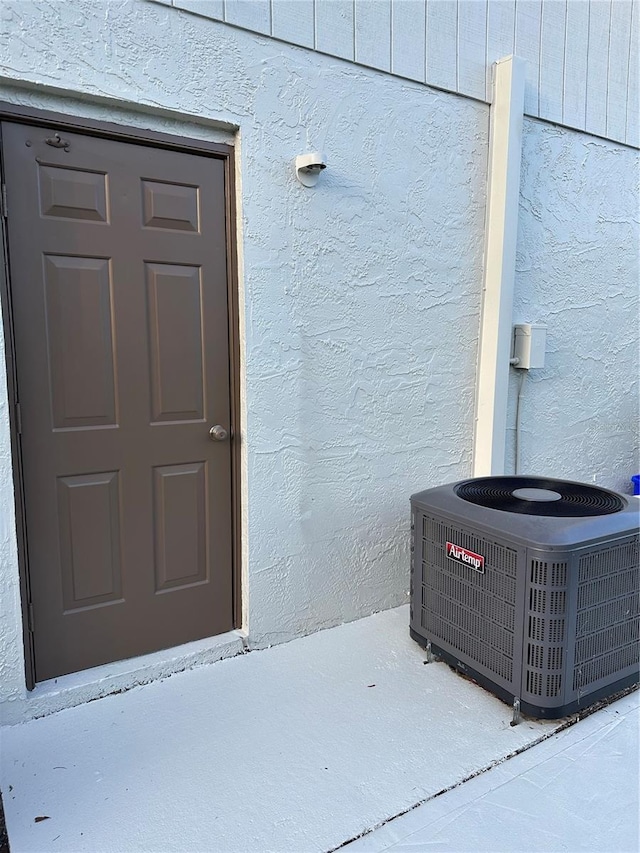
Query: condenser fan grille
[[539, 496]]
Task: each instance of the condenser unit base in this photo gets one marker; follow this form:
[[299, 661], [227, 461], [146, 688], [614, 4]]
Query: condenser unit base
[[535, 711]]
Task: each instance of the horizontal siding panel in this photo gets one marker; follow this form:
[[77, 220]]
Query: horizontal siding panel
[[472, 47], [408, 33], [619, 39], [597, 66], [552, 44], [442, 42], [632, 136], [373, 33], [334, 28], [207, 8], [501, 26], [294, 21], [250, 14], [574, 97]]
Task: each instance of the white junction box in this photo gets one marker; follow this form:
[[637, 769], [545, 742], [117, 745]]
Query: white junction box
[[529, 345]]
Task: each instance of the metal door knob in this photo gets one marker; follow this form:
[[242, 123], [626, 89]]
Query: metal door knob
[[218, 433]]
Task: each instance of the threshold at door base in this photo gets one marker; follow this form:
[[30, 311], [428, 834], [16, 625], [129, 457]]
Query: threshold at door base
[[67, 691]]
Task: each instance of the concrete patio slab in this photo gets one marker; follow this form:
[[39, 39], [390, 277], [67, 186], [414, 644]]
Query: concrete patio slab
[[293, 749], [576, 791]]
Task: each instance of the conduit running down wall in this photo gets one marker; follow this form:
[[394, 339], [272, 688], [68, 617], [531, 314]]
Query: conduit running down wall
[[501, 231]]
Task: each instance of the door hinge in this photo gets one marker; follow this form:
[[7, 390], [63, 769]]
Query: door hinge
[[3, 201], [18, 419], [30, 616]]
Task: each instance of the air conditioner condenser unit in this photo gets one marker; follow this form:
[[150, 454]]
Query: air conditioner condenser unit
[[531, 587]]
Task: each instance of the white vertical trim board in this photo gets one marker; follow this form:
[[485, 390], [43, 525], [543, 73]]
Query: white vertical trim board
[[503, 198]]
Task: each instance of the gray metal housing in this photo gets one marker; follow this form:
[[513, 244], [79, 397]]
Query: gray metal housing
[[553, 620]]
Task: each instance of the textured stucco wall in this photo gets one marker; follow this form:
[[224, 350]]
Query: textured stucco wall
[[360, 298], [582, 58], [577, 271], [11, 645]]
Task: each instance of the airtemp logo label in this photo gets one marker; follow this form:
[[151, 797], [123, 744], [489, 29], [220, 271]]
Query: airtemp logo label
[[468, 558]]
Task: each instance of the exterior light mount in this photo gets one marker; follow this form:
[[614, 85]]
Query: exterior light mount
[[309, 166]]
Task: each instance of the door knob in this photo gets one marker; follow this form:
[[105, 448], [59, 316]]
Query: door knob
[[218, 433]]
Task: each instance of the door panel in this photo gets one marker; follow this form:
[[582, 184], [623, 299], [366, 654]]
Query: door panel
[[118, 267], [78, 297], [170, 206], [90, 544], [72, 193], [176, 346], [180, 525]]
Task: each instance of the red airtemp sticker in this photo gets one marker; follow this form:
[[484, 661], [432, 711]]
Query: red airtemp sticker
[[468, 558]]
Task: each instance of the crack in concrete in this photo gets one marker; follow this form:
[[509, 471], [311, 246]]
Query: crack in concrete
[[568, 723]]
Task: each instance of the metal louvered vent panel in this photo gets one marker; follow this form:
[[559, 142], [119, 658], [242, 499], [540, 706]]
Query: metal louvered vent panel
[[616, 585], [472, 611], [555, 657], [546, 574], [615, 559], [478, 650], [534, 682], [601, 642], [472, 623], [546, 628], [608, 617], [605, 665], [535, 656], [554, 685], [609, 613], [558, 601], [484, 603]]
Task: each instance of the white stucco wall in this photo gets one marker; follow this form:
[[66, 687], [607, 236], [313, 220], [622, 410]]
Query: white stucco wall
[[12, 685], [577, 271], [582, 57], [359, 299]]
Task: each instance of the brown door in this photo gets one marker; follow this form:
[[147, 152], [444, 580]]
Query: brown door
[[118, 279]]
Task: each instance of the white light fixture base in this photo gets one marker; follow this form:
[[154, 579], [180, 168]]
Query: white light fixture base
[[308, 167]]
